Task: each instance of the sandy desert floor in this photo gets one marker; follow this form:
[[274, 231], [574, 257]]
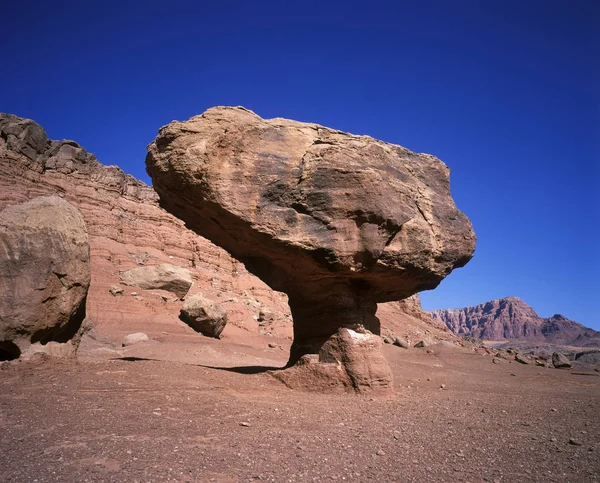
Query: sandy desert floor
[[183, 410]]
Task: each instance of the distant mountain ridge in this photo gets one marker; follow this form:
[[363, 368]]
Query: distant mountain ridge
[[510, 318]]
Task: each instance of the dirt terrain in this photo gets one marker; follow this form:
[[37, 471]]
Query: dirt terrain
[[190, 408]]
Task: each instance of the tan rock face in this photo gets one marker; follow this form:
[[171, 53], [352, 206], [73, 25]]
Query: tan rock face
[[164, 277], [338, 222], [44, 272]]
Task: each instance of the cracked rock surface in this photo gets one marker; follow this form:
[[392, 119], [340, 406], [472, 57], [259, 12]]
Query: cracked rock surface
[[339, 222], [44, 273]]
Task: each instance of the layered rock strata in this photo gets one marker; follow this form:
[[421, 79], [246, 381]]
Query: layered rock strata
[[510, 318], [338, 222]]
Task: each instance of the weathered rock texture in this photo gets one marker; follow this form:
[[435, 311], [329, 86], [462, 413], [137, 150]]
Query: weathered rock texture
[[512, 319], [163, 277], [349, 360], [128, 229], [44, 273], [204, 315], [338, 222]]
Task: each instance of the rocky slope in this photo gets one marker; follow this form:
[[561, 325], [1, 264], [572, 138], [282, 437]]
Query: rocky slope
[[512, 319], [128, 229]]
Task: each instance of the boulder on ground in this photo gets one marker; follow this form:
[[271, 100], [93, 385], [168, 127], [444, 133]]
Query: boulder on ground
[[44, 274], [204, 315], [560, 360], [338, 222], [164, 277], [132, 339]]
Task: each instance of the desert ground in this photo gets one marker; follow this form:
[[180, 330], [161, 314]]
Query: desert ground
[[183, 407]]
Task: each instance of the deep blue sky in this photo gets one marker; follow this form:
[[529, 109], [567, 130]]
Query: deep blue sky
[[504, 92]]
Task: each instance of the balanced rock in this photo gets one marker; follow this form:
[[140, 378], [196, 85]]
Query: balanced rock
[[164, 277], [338, 222], [204, 315], [44, 273]]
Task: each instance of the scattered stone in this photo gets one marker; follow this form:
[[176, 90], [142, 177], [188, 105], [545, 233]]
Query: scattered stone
[[245, 424], [521, 359], [272, 345], [132, 339], [422, 343], [397, 435], [133, 294], [115, 290], [380, 453], [560, 360], [398, 342], [575, 442], [204, 315], [442, 386], [161, 277], [495, 360]]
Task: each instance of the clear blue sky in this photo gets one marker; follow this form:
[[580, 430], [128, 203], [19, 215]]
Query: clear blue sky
[[505, 92]]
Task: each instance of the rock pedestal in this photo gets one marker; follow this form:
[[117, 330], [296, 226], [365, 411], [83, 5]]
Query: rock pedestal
[[338, 222]]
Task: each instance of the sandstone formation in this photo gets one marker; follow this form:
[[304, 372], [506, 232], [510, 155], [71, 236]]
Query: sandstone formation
[[338, 222], [512, 319], [204, 315], [164, 277], [128, 229], [349, 360], [44, 273]]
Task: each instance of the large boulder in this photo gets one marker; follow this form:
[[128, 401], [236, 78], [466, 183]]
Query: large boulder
[[161, 277], [44, 273], [204, 315], [338, 222]]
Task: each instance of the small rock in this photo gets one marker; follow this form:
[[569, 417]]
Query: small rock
[[443, 386], [512, 374], [245, 424], [495, 360], [136, 338], [134, 294], [422, 343], [272, 345], [115, 290], [398, 342], [574, 442], [560, 360], [397, 434], [521, 359], [380, 453]]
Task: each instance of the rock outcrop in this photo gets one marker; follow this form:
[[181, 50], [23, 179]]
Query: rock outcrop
[[163, 277], [128, 229], [204, 315], [44, 273], [338, 222], [512, 319]]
